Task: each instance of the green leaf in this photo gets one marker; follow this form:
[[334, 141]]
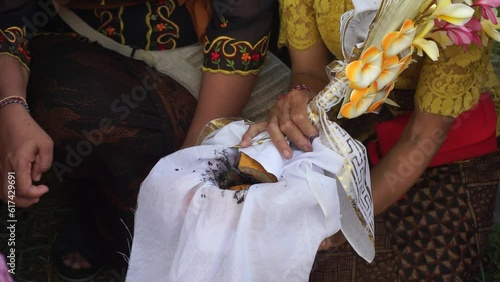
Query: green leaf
[[154, 17], [242, 49], [229, 63], [217, 46]]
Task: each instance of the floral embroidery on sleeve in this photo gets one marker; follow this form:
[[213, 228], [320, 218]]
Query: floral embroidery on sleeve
[[228, 55], [111, 23], [13, 43], [163, 32]]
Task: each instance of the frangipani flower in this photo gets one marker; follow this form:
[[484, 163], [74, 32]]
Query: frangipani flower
[[461, 35], [491, 29], [455, 13], [487, 9], [441, 37], [397, 41], [391, 68], [451, 22], [360, 101], [423, 45], [380, 98], [363, 72]]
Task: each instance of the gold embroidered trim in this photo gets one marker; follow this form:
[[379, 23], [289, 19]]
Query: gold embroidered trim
[[227, 72], [150, 29]]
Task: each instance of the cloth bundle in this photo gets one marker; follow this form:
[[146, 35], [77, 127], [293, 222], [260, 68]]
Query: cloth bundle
[[187, 229]]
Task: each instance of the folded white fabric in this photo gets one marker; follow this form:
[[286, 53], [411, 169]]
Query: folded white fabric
[[187, 229]]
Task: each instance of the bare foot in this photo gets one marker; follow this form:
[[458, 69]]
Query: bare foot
[[76, 261]]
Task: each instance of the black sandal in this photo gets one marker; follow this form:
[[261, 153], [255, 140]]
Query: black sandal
[[75, 238]]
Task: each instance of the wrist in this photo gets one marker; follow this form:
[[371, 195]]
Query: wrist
[[13, 115], [301, 87], [13, 100]]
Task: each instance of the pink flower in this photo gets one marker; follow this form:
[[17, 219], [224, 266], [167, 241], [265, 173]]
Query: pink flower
[[461, 35], [487, 9]]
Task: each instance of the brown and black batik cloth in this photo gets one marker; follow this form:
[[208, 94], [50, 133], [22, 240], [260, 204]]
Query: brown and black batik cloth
[[435, 233], [112, 118]]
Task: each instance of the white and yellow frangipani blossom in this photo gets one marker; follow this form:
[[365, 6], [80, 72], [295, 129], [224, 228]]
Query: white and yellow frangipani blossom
[[363, 72], [380, 98], [395, 42], [441, 37], [491, 29], [360, 101], [422, 44], [391, 69], [454, 13]]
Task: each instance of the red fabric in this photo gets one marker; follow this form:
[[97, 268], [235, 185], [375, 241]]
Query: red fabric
[[473, 134]]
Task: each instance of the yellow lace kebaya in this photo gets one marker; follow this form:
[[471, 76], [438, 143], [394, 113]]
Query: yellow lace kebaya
[[448, 86]]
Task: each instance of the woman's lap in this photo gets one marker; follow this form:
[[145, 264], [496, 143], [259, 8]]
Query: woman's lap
[[111, 118], [436, 233]]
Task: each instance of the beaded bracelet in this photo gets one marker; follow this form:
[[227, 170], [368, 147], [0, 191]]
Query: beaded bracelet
[[296, 87], [14, 100], [301, 87]]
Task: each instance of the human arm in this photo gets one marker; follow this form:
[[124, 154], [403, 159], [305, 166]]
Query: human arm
[[24, 147], [398, 171], [406, 161], [446, 88], [309, 56], [236, 44], [289, 116], [220, 96]]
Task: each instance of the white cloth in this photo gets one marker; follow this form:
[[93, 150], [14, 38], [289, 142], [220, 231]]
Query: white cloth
[[187, 229], [366, 5]]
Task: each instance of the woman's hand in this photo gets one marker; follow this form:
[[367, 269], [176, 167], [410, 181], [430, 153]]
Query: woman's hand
[[289, 119], [333, 241], [26, 150]]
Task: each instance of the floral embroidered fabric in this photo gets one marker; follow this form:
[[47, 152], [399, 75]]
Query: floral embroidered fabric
[[13, 43], [447, 87], [154, 25], [226, 54], [239, 38]]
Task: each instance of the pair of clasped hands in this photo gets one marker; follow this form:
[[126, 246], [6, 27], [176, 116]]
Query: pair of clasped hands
[[288, 118]]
